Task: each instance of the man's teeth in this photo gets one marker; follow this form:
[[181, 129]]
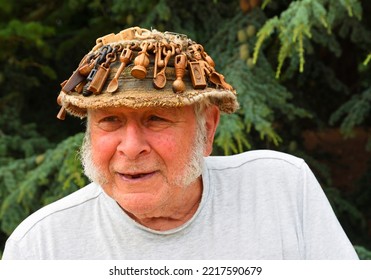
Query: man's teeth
[[136, 176]]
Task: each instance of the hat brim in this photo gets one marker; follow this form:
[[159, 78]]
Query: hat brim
[[139, 93]]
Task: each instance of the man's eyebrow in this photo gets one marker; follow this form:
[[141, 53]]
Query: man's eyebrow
[[164, 110]]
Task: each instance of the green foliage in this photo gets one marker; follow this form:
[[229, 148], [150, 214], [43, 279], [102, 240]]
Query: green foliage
[[18, 140], [319, 49], [261, 96], [363, 253], [17, 37], [35, 181], [356, 110], [232, 127], [344, 207], [296, 24], [28, 32]]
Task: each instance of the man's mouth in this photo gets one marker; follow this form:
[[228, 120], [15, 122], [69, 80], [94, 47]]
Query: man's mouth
[[136, 176]]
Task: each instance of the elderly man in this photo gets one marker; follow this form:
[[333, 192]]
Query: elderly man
[[152, 102]]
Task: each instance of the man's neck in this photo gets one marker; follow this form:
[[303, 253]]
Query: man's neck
[[181, 210]]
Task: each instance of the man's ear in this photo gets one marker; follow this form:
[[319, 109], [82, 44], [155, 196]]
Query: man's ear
[[212, 116]]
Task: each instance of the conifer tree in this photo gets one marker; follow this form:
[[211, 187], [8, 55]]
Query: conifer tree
[[297, 66]]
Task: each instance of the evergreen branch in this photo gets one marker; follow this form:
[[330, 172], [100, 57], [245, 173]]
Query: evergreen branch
[[355, 111], [294, 26], [282, 55], [353, 8], [230, 131], [301, 53], [363, 253], [56, 174], [265, 4], [367, 60], [263, 34], [319, 12]]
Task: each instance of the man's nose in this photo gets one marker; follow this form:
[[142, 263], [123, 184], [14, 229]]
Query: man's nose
[[134, 143]]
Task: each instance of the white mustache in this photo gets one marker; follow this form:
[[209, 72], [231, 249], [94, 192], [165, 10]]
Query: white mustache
[[137, 168]]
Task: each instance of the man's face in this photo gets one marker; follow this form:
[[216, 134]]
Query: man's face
[[145, 157]]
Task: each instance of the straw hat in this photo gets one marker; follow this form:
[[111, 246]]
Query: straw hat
[[144, 68]]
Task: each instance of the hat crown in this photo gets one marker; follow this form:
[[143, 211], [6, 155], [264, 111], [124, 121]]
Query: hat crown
[[102, 78]]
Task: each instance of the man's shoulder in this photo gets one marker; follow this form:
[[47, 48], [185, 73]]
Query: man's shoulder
[[265, 157], [75, 199]]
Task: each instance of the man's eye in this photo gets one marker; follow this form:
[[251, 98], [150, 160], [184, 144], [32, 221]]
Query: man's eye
[[156, 118], [155, 122], [110, 119], [109, 123]]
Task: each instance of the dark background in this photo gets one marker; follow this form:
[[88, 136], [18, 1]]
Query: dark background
[[308, 92]]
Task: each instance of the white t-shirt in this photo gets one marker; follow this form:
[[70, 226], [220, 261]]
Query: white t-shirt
[[255, 205]]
